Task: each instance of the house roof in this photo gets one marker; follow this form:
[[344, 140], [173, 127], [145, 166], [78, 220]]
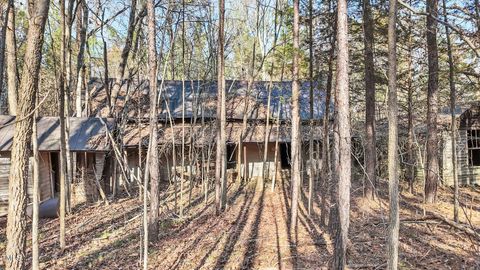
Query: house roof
[[86, 133], [201, 96], [205, 135], [470, 118]]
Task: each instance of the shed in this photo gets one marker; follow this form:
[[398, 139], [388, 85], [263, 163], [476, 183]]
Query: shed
[[87, 139], [468, 149]]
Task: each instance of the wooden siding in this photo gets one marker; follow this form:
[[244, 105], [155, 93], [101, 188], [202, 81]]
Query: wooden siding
[[467, 174], [46, 188]]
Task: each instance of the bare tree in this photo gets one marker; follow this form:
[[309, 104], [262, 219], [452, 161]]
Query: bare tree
[[342, 139], [63, 127], [35, 195], [16, 221], [310, 144], [453, 126], [326, 168], [296, 142], [124, 56], [370, 150], [393, 166], [82, 23], [153, 165], [3, 32], [220, 175], [432, 166], [410, 139], [182, 173], [11, 55]]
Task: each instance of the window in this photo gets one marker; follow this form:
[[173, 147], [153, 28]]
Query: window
[[473, 143]]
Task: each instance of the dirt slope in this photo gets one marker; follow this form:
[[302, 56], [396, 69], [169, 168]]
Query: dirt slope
[[254, 234]]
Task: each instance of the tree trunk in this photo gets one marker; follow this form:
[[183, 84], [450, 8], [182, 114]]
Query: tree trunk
[[310, 144], [410, 140], [296, 142], [220, 175], [343, 164], [63, 134], [3, 32], [124, 56], [11, 54], [16, 221], [82, 21], [453, 96], [182, 172], [153, 145], [370, 151], [36, 194], [394, 223], [265, 168], [326, 171], [106, 79], [432, 166]]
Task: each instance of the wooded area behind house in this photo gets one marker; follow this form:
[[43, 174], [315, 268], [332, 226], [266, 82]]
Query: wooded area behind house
[[251, 134]]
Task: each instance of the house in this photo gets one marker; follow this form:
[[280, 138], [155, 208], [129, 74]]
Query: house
[[189, 108], [87, 140]]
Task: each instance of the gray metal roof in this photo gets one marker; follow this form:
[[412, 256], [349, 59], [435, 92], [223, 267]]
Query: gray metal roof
[[86, 133], [202, 95]]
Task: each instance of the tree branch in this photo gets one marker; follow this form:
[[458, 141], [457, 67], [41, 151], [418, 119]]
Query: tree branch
[[453, 27]]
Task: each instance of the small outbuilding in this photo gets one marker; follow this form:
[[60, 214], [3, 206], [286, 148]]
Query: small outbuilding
[[468, 149], [87, 140]]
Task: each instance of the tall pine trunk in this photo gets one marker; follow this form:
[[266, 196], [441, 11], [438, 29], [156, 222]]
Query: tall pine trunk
[[343, 161], [312, 172], [11, 55], [63, 135], [410, 139], [3, 32], [394, 222], [17, 189], [153, 165], [370, 151], [35, 195], [220, 175], [453, 96], [124, 56], [327, 190], [432, 166], [296, 142], [82, 21]]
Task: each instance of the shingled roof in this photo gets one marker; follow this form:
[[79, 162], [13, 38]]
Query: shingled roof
[[86, 133], [200, 97]]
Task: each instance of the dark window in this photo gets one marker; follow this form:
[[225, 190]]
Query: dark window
[[231, 157], [473, 143], [285, 155]]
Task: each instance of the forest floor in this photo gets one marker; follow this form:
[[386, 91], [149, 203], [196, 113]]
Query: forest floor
[[253, 233]]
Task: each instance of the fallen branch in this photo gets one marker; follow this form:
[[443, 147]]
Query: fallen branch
[[429, 219], [470, 231]]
